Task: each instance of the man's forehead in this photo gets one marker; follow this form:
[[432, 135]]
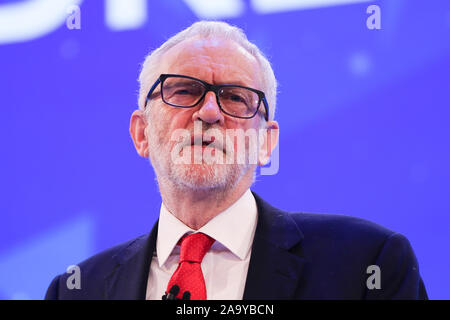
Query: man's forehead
[[223, 59]]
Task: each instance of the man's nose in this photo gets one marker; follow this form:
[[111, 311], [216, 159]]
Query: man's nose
[[209, 110]]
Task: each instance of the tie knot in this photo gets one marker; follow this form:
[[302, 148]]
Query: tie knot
[[195, 246]]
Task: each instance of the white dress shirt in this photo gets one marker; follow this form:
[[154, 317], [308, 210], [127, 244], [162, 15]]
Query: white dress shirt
[[224, 266]]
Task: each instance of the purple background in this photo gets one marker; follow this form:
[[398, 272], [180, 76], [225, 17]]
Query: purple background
[[363, 120]]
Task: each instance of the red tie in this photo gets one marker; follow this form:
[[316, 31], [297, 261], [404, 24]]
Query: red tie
[[189, 276]]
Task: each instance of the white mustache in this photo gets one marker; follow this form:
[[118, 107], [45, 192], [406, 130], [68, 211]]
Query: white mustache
[[225, 141], [209, 140]]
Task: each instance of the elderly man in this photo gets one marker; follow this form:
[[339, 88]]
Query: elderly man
[[205, 121]]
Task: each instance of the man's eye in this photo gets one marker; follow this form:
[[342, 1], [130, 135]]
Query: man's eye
[[184, 92], [236, 98]]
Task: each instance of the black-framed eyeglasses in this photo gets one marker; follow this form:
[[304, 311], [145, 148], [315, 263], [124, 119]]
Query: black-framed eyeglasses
[[182, 91]]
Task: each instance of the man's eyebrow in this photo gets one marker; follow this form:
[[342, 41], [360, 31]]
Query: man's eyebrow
[[234, 81], [237, 82]]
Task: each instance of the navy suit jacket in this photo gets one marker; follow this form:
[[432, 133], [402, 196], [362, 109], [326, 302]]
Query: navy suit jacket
[[294, 256]]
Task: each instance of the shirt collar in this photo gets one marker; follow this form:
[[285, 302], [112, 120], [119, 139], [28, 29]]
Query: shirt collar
[[233, 228]]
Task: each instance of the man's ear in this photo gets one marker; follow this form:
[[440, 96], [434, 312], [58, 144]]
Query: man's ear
[[138, 126], [268, 141]]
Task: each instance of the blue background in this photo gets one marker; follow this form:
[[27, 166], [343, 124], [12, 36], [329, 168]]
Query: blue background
[[363, 116]]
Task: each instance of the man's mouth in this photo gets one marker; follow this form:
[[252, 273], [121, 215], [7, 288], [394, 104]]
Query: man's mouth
[[206, 142]]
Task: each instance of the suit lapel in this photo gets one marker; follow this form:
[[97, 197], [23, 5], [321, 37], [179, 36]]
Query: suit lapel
[[128, 281], [273, 271]]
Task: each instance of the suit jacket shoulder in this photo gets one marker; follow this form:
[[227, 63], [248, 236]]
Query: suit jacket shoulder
[[336, 255], [94, 271]]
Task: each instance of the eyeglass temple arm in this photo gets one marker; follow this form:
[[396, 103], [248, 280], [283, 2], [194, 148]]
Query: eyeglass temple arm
[[266, 106], [152, 89]]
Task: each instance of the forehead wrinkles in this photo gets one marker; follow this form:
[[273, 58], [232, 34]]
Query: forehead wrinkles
[[214, 59]]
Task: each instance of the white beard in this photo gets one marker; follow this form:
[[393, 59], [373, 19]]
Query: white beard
[[198, 176]]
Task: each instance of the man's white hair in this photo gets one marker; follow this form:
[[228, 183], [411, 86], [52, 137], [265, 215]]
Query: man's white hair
[[209, 29]]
